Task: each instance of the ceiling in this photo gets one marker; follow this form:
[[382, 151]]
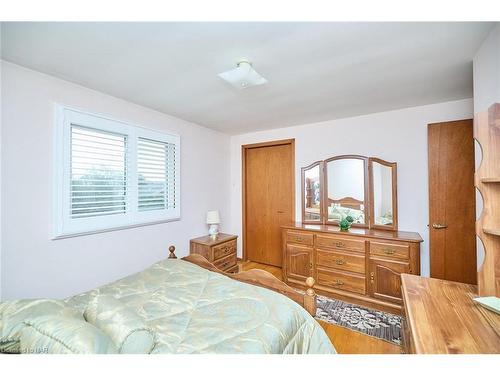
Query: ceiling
[[316, 71]]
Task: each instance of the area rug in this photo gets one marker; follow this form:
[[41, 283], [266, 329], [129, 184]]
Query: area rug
[[374, 323]]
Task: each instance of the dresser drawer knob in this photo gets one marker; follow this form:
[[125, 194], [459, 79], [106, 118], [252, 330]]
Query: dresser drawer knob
[[338, 282], [339, 262], [339, 244], [389, 251], [372, 277]]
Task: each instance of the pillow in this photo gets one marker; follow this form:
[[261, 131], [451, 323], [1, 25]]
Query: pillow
[[337, 212], [51, 334], [128, 331], [14, 313], [355, 214]]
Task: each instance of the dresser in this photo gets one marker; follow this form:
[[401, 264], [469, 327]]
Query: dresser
[[440, 317], [220, 251], [361, 266]]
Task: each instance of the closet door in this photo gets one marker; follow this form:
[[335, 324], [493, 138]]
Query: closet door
[[452, 201], [268, 199]]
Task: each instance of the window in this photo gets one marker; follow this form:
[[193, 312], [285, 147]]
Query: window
[[110, 174]]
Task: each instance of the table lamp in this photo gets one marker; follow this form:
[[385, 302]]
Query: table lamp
[[213, 219]]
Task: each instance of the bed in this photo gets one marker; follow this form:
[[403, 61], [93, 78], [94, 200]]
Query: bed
[[339, 209], [174, 306]]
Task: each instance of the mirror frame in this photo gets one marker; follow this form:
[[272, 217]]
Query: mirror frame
[[369, 199], [367, 194], [393, 166], [321, 181]]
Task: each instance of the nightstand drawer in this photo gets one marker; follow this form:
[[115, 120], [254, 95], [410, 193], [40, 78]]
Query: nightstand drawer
[[226, 263], [234, 269], [224, 249]]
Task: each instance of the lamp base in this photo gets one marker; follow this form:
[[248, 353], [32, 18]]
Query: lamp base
[[213, 231]]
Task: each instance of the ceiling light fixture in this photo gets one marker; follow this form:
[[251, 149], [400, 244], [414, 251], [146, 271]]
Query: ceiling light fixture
[[243, 76]]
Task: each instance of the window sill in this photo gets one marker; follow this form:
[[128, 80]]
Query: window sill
[[121, 227]]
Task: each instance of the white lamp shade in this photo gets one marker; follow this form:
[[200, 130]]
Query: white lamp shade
[[243, 76], [213, 217]]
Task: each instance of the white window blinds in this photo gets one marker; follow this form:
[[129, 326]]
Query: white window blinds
[[98, 173], [156, 174], [110, 174]]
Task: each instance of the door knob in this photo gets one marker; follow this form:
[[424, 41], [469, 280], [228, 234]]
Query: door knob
[[439, 226]]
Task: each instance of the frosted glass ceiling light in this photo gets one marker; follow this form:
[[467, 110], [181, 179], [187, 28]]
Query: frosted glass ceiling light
[[243, 76]]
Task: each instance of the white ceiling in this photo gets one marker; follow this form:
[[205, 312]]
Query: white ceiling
[[316, 71]]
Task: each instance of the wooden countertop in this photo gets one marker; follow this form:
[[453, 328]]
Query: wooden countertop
[[443, 318], [364, 232]]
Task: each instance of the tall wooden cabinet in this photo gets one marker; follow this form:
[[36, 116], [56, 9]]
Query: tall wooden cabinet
[[487, 133], [362, 266]]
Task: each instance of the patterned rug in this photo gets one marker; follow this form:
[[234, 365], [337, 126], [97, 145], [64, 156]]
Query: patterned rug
[[374, 323]]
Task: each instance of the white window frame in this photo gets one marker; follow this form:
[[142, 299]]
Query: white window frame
[[64, 225]]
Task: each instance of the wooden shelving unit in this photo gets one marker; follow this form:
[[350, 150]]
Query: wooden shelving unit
[[493, 231], [490, 180], [487, 133]]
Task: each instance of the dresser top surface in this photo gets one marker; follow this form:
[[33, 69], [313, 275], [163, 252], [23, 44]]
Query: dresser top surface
[[207, 240], [362, 232], [443, 318]]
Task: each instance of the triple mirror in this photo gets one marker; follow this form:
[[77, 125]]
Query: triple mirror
[[350, 185]]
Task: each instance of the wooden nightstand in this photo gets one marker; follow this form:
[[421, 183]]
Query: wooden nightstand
[[221, 251]]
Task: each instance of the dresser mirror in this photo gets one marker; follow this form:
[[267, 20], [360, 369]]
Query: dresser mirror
[[384, 200], [346, 189], [361, 187], [311, 185]]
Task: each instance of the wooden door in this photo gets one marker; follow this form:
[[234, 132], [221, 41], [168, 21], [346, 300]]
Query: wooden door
[[385, 279], [268, 198], [299, 262], [452, 201]]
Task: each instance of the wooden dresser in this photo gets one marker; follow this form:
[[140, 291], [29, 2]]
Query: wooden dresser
[[440, 317], [362, 266], [221, 251]]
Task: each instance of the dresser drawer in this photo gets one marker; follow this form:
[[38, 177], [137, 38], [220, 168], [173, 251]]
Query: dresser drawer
[[300, 238], [341, 260], [340, 243], [341, 280], [224, 249], [391, 250], [226, 263]]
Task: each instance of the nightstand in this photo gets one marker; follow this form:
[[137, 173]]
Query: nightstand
[[221, 251]]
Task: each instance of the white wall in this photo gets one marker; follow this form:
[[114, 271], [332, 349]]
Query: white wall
[[399, 136], [487, 72], [33, 265]]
